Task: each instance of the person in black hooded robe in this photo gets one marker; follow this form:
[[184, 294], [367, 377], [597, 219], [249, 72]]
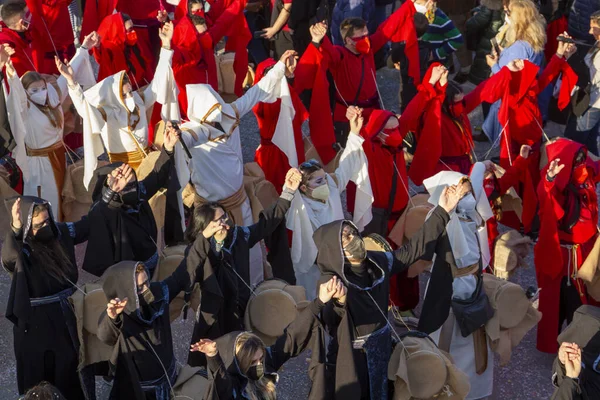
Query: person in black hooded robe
[[138, 326], [240, 366], [39, 254], [362, 337], [220, 255], [122, 223]]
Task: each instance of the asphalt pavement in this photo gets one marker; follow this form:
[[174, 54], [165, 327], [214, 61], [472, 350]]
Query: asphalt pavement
[[526, 377]]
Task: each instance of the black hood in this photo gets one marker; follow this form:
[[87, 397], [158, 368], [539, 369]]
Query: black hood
[[120, 281], [226, 346], [101, 174], [330, 256], [27, 205]]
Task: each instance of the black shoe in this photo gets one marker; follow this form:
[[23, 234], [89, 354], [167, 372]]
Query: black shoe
[[461, 78]]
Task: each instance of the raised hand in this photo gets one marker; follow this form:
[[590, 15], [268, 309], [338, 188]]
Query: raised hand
[[120, 177], [205, 346], [293, 179], [16, 214], [318, 32], [444, 77], [166, 34], [172, 135], [525, 151], [328, 289], [356, 121], [5, 52], [213, 228], [436, 74], [573, 362], [65, 69], [162, 16], [516, 65], [285, 56], [92, 40], [340, 293], [565, 49], [489, 166], [115, 307], [554, 168], [449, 198], [290, 66]]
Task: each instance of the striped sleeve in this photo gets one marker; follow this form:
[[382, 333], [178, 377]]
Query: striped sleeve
[[444, 37]]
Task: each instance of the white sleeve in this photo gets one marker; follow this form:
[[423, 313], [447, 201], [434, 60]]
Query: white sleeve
[[82, 73], [354, 167], [16, 109], [163, 89], [261, 91]]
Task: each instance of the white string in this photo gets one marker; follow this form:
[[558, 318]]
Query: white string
[[50, 36], [508, 150], [406, 188], [242, 279], [76, 287], [378, 92], [338, 92], [495, 142], [543, 132], [389, 324], [397, 315]]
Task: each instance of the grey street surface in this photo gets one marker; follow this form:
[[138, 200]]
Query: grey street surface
[[527, 376]]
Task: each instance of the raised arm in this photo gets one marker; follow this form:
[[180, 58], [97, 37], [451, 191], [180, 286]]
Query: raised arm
[[158, 90], [82, 68], [353, 159], [272, 217], [488, 91]]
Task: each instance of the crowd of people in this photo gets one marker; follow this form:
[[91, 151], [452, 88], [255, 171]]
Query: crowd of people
[[120, 128]]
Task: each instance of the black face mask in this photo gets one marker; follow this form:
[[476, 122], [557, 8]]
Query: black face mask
[[356, 248], [45, 234], [255, 372]]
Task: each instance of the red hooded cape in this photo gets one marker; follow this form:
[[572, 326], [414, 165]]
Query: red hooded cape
[[271, 159], [23, 59], [550, 258], [52, 33], [311, 73], [112, 54], [193, 59], [400, 27], [429, 137]]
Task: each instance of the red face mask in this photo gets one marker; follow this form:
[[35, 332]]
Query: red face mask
[[198, 13], [394, 139], [363, 44], [131, 37], [580, 174], [457, 109]]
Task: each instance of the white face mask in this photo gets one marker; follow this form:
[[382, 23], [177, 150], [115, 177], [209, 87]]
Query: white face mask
[[466, 204], [320, 192], [130, 103], [39, 97], [420, 8]]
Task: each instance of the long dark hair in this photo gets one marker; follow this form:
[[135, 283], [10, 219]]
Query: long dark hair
[[200, 219], [452, 90], [52, 256], [43, 391]]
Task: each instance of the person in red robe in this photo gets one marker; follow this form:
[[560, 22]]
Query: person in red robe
[[52, 33], [271, 159], [15, 32], [353, 65], [569, 218], [120, 50], [384, 134], [226, 18], [521, 119]]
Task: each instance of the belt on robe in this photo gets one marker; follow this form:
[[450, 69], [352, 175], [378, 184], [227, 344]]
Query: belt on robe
[[55, 298], [161, 387], [133, 158], [232, 204], [466, 271], [371, 102], [56, 155], [265, 141], [44, 151]]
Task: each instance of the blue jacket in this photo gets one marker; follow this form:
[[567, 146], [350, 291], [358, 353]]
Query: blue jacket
[[579, 18]]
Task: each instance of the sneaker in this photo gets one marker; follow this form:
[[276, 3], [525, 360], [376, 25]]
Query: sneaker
[[461, 78]]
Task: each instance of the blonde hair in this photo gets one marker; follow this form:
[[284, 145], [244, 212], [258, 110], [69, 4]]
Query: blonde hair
[[526, 24], [246, 346], [54, 114]]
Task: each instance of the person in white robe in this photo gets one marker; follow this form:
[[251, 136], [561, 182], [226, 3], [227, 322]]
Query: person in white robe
[[115, 116], [318, 203], [467, 234], [213, 137], [35, 114]]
